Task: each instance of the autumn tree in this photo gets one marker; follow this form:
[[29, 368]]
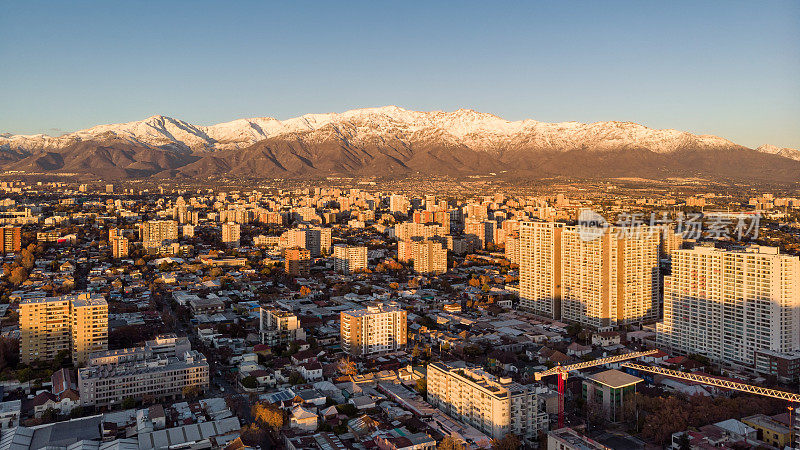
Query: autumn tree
[[268, 414], [509, 442], [346, 366], [450, 443]]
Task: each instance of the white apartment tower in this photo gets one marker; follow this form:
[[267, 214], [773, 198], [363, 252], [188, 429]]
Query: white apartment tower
[[349, 258], [728, 305], [599, 277]]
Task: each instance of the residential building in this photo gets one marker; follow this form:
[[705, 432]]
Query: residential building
[[279, 327], [430, 257], [11, 239], [158, 377], [77, 324], [119, 247], [349, 258], [376, 329], [297, 261], [155, 232], [231, 233], [568, 439], [737, 307], [599, 277], [495, 406]]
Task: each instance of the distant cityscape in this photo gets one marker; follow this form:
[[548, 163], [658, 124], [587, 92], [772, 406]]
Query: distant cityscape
[[449, 314]]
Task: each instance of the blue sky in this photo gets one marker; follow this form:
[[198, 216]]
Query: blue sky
[[728, 68]]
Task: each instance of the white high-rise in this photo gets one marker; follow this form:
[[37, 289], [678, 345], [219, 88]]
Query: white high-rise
[[597, 277], [729, 305], [349, 258]]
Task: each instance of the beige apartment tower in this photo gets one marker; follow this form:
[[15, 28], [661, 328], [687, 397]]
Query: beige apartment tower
[[600, 277], [430, 257], [376, 329], [74, 323]]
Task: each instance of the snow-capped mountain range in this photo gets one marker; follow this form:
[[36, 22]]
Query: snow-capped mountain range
[[478, 131], [391, 141]]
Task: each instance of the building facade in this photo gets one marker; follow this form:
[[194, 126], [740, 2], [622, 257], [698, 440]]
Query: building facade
[[11, 239], [297, 261], [495, 406], [75, 323], [599, 277], [736, 307], [279, 327], [376, 329], [349, 258]]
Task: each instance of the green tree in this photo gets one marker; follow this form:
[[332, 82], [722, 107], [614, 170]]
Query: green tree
[[250, 382], [129, 403], [450, 443], [683, 442]]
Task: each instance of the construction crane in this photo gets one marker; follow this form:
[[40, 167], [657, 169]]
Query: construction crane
[[563, 371], [733, 385]]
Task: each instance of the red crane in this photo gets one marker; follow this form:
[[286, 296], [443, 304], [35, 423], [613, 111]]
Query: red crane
[[563, 371]]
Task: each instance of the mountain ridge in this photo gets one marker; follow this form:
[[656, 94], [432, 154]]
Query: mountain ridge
[[390, 141]]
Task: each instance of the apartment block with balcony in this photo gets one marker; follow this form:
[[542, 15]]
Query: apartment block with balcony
[[279, 327], [495, 406], [739, 307], [374, 330]]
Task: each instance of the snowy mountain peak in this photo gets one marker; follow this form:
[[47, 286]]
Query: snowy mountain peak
[[464, 127], [786, 152]]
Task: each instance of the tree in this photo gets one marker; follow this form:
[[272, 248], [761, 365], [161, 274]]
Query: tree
[[450, 443], [683, 442], [18, 276], [268, 414], [422, 386], [191, 392], [250, 382], [129, 403], [509, 442], [346, 366], [296, 378]]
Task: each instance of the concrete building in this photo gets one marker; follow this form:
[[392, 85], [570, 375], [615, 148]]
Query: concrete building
[[155, 232], [430, 257], [736, 307], [349, 258], [614, 391], [74, 323], [11, 238], [600, 277], [119, 247], [376, 329], [158, 377], [484, 230], [279, 327], [316, 240], [568, 439], [297, 261], [495, 406], [231, 232]]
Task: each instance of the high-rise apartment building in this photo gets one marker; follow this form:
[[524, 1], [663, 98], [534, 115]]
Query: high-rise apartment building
[[231, 232], [74, 323], [279, 327], [484, 230], [155, 232], [430, 256], [297, 261], [733, 306], [495, 406], [600, 277], [119, 247], [349, 258], [11, 239], [316, 240], [376, 329]]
